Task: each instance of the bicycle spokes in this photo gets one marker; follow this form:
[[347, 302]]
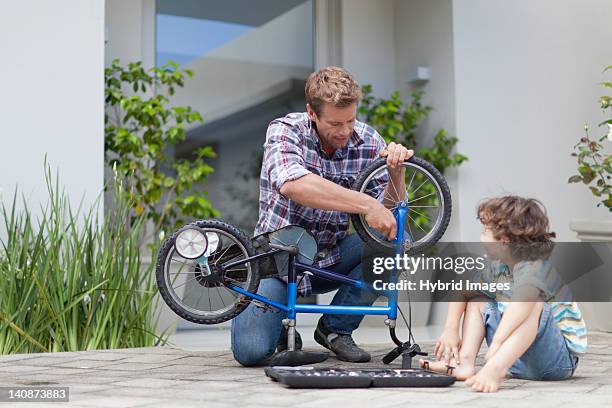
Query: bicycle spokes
[[198, 285], [414, 188]]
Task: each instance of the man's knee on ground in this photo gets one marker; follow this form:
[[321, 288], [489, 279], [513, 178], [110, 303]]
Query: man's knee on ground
[[250, 354], [252, 343]]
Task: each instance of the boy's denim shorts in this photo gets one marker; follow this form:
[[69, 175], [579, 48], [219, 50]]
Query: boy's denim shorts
[[547, 359]]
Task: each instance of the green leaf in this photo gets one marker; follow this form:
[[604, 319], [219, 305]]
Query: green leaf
[[168, 182], [206, 151], [587, 173], [575, 179]]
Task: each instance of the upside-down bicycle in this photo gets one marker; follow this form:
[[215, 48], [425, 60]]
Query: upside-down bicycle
[[209, 271]]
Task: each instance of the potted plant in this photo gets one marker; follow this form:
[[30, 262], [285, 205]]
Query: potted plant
[[595, 172]]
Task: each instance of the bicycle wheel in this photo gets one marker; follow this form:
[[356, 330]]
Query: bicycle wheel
[[189, 277], [425, 193]]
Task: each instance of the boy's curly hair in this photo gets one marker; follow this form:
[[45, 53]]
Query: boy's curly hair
[[521, 221]]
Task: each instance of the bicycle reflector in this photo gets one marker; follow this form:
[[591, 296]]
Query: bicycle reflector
[[191, 243], [213, 243]]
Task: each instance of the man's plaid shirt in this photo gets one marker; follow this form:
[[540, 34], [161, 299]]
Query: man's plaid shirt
[[292, 150]]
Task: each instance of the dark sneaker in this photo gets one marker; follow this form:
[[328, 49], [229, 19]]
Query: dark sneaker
[[282, 341], [342, 344]]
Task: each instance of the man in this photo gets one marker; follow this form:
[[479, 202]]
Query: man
[[310, 161]]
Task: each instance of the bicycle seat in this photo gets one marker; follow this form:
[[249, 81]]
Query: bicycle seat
[[293, 235]]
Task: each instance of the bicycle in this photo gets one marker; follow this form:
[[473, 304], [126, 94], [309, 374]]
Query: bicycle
[[216, 256]]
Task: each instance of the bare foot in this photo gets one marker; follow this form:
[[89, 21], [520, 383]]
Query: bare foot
[[487, 379], [461, 371]]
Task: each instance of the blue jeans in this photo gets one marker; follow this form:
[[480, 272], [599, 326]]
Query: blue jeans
[[547, 359], [256, 332]]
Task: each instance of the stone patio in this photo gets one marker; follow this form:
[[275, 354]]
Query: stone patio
[[171, 377]]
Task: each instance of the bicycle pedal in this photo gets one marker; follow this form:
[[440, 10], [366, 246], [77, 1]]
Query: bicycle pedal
[[255, 303], [262, 305]]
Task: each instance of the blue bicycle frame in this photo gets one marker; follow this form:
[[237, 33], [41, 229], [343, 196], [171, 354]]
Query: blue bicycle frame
[[293, 308]]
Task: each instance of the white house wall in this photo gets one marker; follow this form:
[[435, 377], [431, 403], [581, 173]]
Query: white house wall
[[368, 43], [527, 79], [53, 97], [130, 31], [424, 37]]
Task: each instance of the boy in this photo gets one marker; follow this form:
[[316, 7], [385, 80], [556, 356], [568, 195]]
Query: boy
[[531, 337]]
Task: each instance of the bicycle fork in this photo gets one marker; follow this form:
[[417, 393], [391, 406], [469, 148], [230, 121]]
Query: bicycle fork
[[289, 322], [400, 218]]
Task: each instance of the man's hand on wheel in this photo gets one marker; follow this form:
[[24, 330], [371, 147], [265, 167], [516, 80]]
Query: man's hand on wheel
[[381, 219], [396, 154]]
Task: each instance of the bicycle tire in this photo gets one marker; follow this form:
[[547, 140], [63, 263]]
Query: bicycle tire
[[228, 312], [430, 171]]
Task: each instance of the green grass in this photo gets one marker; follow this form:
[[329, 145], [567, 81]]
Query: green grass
[[71, 281]]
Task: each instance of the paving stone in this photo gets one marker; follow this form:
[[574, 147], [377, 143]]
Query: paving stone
[[145, 350], [22, 369], [131, 366], [180, 369], [576, 399], [365, 393], [562, 387], [100, 356], [153, 358], [276, 400], [346, 401], [102, 378], [605, 390], [158, 393], [192, 404], [47, 360], [164, 376], [273, 388], [44, 405], [150, 383], [239, 395], [229, 386], [90, 400], [505, 392], [84, 363], [16, 357], [410, 397], [484, 401], [203, 361], [188, 377], [85, 389]]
